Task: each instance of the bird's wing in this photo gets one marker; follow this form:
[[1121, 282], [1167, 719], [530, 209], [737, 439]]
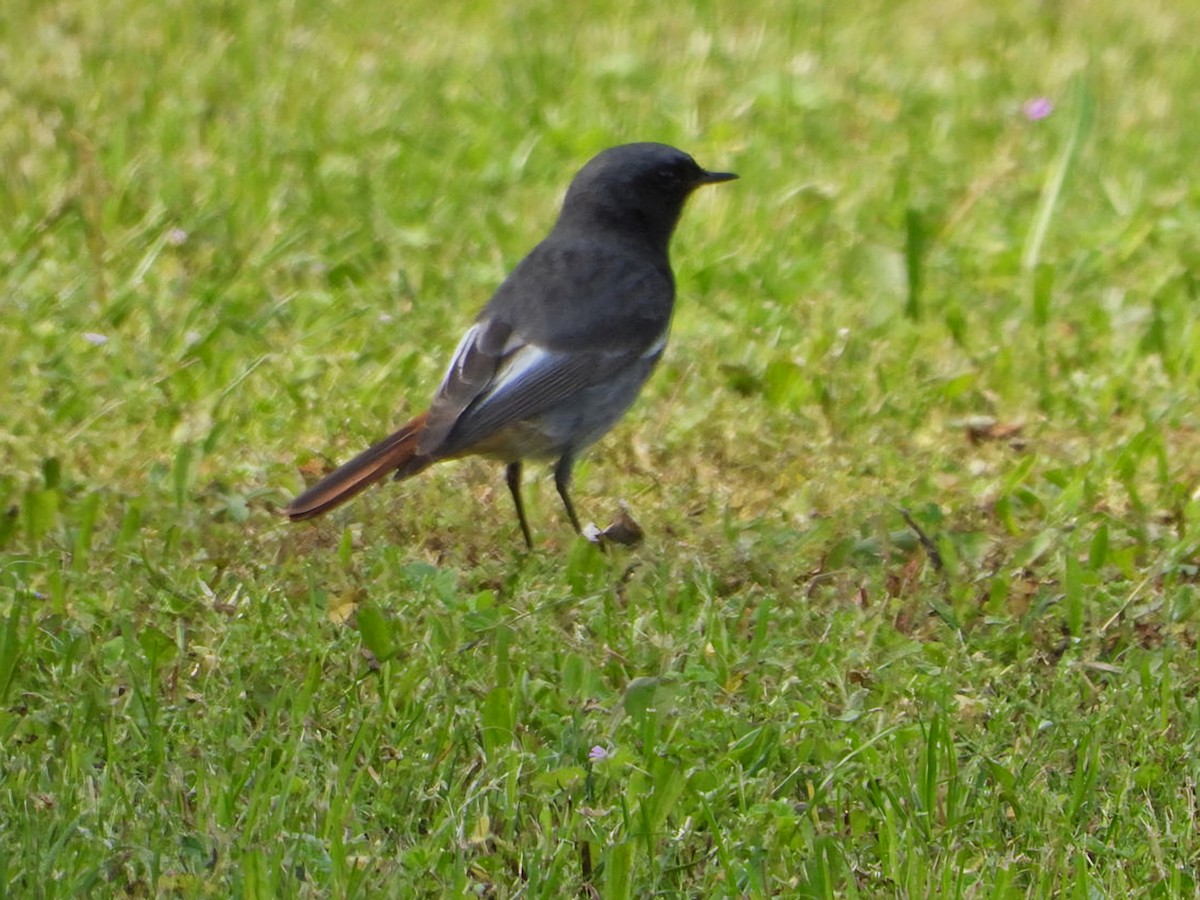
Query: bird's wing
[[526, 380], [571, 315], [471, 372]]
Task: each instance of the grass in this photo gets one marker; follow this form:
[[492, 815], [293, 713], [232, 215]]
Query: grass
[[917, 612]]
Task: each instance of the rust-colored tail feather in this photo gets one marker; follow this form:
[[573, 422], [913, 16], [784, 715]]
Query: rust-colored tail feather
[[395, 452]]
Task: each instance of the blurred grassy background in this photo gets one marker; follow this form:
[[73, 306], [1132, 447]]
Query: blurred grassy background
[[241, 241]]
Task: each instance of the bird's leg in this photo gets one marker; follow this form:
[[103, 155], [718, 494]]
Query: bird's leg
[[512, 474], [562, 481]]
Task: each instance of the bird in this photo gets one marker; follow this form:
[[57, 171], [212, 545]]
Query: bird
[[562, 349]]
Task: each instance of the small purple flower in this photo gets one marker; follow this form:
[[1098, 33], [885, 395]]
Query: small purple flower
[[598, 754], [96, 340], [177, 237], [1038, 108]]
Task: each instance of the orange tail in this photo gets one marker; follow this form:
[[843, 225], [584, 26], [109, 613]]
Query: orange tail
[[396, 451]]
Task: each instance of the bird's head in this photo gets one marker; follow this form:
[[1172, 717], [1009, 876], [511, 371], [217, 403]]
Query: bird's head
[[638, 189]]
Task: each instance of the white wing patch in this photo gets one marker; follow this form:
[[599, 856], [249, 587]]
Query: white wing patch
[[519, 366], [455, 370]]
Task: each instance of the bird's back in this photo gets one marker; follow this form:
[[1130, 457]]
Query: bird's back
[[579, 293]]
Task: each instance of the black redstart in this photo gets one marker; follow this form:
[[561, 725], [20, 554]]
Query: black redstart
[[562, 349]]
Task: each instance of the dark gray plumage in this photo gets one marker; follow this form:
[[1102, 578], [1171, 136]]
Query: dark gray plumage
[[563, 347]]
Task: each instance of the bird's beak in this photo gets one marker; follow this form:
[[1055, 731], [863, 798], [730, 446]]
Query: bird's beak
[[716, 177]]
